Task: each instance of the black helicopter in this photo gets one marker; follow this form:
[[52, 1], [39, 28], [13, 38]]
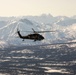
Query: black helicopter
[[35, 36]]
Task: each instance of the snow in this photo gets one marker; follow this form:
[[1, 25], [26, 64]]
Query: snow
[[3, 44], [49, 70], [65, 28]]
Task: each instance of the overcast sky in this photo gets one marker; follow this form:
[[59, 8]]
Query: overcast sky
[[37, 7]]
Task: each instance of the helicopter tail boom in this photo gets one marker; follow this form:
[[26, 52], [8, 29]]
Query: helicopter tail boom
[[19, 33]]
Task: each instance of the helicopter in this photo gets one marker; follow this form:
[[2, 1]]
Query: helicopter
[[34, 36]]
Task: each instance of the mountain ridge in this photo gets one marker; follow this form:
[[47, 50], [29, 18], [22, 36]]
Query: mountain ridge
[[65, 28]]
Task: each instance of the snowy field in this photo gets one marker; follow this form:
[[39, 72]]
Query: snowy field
[[38, 60]]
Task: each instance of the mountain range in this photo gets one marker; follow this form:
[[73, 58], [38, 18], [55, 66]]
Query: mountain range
[[64, 27]]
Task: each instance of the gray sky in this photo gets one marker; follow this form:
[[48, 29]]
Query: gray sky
[[37, 7]]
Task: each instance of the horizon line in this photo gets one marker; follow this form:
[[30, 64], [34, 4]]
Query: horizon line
[[36, 15]]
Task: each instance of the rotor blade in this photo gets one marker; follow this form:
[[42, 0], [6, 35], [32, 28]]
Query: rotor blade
[[44, 31], [38, 31], [26, 31]]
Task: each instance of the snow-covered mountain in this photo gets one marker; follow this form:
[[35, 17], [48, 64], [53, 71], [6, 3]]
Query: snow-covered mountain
[[65, 28]]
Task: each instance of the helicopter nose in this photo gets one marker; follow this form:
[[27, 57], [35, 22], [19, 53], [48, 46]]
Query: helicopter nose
[[42, 37]]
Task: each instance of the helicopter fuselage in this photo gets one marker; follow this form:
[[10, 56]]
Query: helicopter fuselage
[[35, 36]]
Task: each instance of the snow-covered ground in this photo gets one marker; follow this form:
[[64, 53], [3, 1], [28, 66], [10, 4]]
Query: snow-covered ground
[[38, 60]]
